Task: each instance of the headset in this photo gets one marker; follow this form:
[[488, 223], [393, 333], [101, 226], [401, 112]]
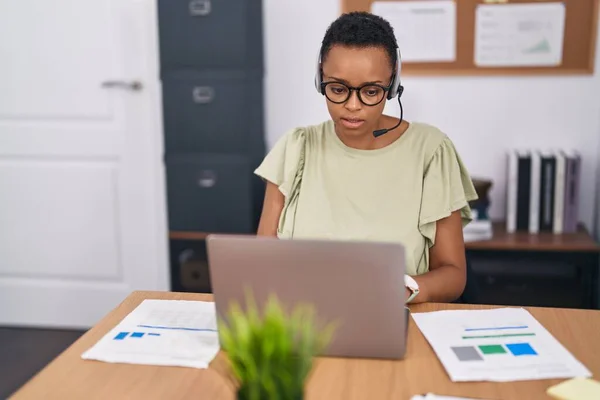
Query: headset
[[396, 87]]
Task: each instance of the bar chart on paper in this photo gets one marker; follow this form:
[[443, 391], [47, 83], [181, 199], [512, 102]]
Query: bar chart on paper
[[124, 335], [509, 340], [505, 344], [162, 332]]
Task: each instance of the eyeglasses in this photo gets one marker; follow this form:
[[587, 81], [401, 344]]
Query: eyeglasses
[[369, 94]]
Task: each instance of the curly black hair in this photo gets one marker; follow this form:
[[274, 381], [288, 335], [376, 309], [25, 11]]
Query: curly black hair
[[360, 29]]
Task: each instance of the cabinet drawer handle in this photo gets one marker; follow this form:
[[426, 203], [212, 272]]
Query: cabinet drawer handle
[[208, 179], [203, 94], [186, 255], [199, 8]]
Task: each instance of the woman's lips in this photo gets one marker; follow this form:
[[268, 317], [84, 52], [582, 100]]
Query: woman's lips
[[352, 123]]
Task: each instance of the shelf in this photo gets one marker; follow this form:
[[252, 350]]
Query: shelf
[[185, 235], [580, 241]]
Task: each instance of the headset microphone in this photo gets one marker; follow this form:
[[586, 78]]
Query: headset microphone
[[380, 132]]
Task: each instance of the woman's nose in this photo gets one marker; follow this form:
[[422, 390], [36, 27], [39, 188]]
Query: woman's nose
[[353, 102]]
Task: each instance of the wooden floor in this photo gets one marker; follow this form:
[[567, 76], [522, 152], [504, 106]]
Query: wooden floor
[[24, 351]]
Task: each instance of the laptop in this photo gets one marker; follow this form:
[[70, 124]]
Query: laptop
[[359, 285]]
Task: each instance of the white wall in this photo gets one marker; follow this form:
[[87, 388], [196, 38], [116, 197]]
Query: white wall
[[484, 116]]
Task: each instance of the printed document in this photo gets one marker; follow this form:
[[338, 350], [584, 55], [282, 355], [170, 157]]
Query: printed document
[[425, 30], [431, 396], [162, 332], [527, 34], [501, 345]]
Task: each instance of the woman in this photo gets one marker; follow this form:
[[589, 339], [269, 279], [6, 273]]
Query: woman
[[367, 176]]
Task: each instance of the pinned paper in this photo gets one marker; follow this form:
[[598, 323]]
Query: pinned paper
[[529, 34], [425, 30]]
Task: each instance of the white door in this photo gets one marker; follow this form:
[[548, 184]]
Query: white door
[[82, 210]]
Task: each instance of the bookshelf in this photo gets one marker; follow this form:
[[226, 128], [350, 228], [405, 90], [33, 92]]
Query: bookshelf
[[534, 269]]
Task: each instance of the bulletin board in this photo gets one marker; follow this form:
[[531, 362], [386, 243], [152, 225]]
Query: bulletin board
[[578, 40]]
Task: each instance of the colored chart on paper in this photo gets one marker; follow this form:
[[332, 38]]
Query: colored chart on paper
[[162, 332], [478, 353], [136, 335], [504, 344], [498, 333]]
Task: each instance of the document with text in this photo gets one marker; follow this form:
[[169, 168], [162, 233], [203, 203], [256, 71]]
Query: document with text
[[501, 345], [162, 332]]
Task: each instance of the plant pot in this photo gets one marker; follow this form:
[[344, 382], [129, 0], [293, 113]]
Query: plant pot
[[244, 395], [267, 398]]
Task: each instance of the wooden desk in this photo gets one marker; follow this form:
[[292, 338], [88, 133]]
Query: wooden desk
[[70, 377], [541, 269]]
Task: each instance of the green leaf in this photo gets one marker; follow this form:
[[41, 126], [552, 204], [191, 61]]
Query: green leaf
[[271, 352]]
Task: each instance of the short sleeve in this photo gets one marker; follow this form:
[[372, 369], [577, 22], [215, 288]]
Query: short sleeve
[[284, 163], [447, 187]]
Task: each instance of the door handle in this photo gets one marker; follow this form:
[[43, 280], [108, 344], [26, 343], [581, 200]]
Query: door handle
[[133, 85]]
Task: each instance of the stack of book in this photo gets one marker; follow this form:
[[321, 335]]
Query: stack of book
[[543, 191], [478, 229]]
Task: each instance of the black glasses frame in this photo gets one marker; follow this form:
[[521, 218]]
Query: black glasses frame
[[355, 89]]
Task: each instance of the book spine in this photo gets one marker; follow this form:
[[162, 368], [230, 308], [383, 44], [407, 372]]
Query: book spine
[[572, 195], [559, 193], [566, 199], [547, 172], [523, 192], [511, 191], [534, 200]]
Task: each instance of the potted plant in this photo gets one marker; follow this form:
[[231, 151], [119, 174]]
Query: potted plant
[[271, 352]]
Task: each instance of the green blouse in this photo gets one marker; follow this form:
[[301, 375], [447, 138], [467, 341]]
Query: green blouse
[[396, 193]]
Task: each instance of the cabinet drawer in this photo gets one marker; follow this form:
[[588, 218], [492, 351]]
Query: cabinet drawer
[[212, 34], [216, 113], [546, 280], [210, 193], [189, 266]]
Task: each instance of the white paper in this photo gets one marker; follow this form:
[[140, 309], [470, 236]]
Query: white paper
[[431, 396], [522, 348], [162, 332], [519, 34], [425, 30]]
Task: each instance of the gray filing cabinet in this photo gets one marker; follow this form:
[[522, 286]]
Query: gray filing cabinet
[[214, 112], [210, 34], [212, 75], [213, 191]]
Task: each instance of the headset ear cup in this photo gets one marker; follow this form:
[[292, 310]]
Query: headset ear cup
[[396, 84], [318, 73], [317, 81], [400, 90], [392, 91]]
